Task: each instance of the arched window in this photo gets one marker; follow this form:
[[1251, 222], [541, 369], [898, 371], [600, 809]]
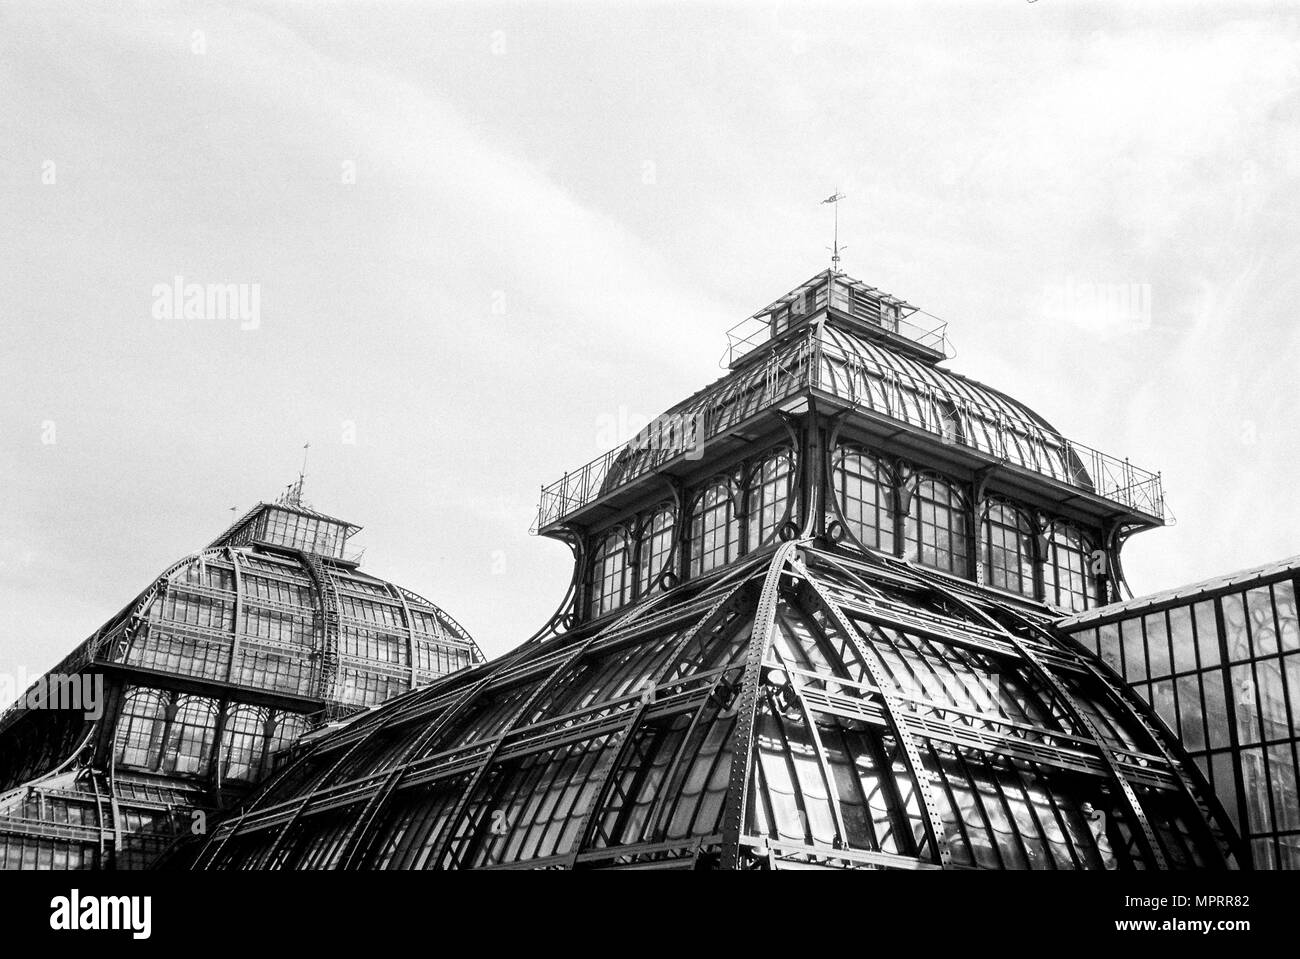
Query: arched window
[[655, 549], [714, 529], [288, 727], [767, 497], [189, 740], [1007, 548], [611, 580], [243, 744], [140, 729], [1068, 580], [938, 530], [866, 497]]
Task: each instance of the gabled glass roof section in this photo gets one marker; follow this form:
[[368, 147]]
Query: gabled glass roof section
[[1191, 592], [292, 526]]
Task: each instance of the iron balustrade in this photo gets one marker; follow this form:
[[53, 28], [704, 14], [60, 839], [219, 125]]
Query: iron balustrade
[[812, 363]]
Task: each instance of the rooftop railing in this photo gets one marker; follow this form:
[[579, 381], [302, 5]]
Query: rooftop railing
[[851, 297], [811, 363]]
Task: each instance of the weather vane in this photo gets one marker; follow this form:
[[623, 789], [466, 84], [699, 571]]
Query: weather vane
[[292, 495], [302, 476], [834, 201]]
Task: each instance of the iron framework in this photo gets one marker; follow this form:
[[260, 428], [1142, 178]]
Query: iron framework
[[804, 707]]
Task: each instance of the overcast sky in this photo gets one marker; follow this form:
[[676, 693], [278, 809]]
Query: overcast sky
[[486, 236]]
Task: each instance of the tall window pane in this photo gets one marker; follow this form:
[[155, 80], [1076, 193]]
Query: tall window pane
[[1288, 623], [1006, 545], [1157, 645], [1067, 576], [865, 497], [610, 582], [243, 743], [768, 497], [140, 729], [938, 533], [655, 549], [189, 740], [714, 529]]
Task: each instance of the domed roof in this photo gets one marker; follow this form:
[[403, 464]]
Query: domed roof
[[854, 362], [382, 640], [801, 708], [264, 617], [858, 368], [190, 694], [847, 345]]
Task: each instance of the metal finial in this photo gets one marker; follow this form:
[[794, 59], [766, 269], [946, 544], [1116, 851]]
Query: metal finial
[[302, 473], [834, 201]]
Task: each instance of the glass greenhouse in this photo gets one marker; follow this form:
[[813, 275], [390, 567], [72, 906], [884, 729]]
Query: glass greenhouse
[[204, 680], [811, 624]]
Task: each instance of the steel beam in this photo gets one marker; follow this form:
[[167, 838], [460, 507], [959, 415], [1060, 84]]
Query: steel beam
[[742, 755], [1146, 835], [357, 836], [894, 713], [628, 732], [448, 835]]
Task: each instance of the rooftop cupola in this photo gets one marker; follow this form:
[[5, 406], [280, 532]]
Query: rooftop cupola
[[838, 419], [851, 303]]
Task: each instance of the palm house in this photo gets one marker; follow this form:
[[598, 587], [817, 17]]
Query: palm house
[[811, 624]]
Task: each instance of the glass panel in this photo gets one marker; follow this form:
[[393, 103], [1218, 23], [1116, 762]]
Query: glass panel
[[1263, 853], [1291, 666], [1225, 786], [1182, 639], [1108, 638], [1272, 698], [1263, 631], [1135, 663], [1190, 712], [1157, 644], [1284, 602], [1088, 638], [1216, 709], [1235, 629], [1207, 634], [1255, 781], [1282, 778], [1162, 699], [1289, 851], [1243, 694]]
